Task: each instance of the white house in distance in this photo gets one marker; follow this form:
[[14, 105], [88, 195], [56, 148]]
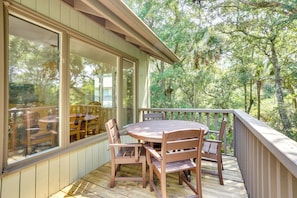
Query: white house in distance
[[64, 63]]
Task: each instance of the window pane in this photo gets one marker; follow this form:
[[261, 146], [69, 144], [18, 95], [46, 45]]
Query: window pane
[[92, 89], [33, 88], [128, 92]]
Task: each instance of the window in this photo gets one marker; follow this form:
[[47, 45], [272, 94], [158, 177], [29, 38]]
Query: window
[[34, 80], [92, 89], [34, 86]]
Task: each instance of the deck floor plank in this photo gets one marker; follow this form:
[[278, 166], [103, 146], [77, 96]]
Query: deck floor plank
[[96, 184]]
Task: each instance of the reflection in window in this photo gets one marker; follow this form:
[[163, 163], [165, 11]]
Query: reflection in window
[[33, 89], [92, 89], [128, 91]]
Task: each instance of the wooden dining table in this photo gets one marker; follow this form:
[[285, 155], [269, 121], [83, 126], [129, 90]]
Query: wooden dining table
[[152, 130]]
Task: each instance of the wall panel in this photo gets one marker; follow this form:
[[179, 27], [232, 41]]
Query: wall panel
[[65, 14], [96, 155], [54, 175], [89, 160], [74, 19], [73, 167], [42, 6], [81, 163], [42, 179], [27, 187], [11, 186], [55, 10], [64, 170]]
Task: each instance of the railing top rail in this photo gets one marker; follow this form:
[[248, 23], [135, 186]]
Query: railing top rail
[[188, 110]]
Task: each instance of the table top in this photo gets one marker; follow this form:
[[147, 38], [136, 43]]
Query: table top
[[151, 131], [55, 118]]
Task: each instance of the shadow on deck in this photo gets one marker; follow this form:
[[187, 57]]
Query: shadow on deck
[[96, 184]]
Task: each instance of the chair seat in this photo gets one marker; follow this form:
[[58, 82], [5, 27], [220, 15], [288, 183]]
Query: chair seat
[[130, 152], [172, 167], [40, 135]]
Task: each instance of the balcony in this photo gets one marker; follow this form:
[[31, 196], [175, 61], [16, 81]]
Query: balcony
[[266, 159]]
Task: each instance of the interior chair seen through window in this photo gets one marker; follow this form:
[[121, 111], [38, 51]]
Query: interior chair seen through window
[[153, 116], [179, 148], [124, 153], [212, 149], [34, 135]]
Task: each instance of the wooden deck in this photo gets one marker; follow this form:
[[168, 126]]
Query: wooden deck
[[96, 184]]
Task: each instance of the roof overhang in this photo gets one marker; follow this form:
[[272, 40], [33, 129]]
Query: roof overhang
[[118, 18]]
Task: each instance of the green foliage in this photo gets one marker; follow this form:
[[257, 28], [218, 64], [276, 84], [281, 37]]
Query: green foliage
[[234, 54]]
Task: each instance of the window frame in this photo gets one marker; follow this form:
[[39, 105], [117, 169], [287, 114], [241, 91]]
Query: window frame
[[64, 38]]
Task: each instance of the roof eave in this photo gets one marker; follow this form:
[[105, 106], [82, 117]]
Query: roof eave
[[119, 18]]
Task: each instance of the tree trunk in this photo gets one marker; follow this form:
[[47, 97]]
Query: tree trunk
[[251, 97], [279, 92], [259, 98], [245, 97]]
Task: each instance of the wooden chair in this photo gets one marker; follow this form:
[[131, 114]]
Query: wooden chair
[[178, 150], [92, 119], [75, 127], [124, 153], [34, 134], [153, 116], [211, 150]]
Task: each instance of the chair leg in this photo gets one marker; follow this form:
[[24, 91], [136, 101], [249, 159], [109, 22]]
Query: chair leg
[[113, 173], [151, 179], [144, 174], [163, 185], [220, 167], [198, 184]]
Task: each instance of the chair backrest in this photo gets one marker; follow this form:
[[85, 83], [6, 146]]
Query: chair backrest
[[30, 119], [213, 147], [75, 125], [113, 133], [222, 129], [181, 145], [153, 116]]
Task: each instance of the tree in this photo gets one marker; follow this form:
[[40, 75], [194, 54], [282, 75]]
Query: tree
[[231, 51]]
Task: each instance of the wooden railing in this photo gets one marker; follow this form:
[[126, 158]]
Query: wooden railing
[[210, 117], [267, 158]]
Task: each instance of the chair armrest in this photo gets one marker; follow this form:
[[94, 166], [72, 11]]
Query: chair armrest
[[127, 145], [136, 146], [214, 131], [212, 141], [153, 152]]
